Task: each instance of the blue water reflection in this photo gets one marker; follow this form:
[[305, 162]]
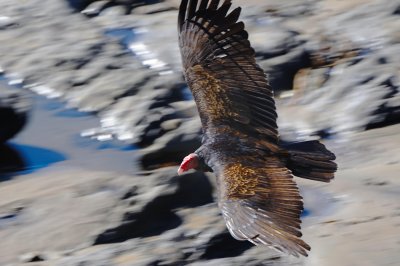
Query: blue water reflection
[[305, 213], [51, 105], [125, 35], [71, 113], [36, 158], [61, 110]]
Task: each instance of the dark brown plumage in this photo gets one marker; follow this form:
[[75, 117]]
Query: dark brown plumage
[[258, 198]]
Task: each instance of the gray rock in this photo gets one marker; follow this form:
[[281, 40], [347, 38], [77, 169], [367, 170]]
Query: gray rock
[[282, 69], [272, 40], [155, 8], [290, 8], [150, 211], [150, 104], [114, 11], [95, 8], [159, 218], [169, 220], [381, 30], [171, 124], [355, 96], [7, 22], [58, 214], [173, 146], [32, 257]]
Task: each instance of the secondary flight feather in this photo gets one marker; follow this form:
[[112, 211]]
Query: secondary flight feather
[[258, 198]]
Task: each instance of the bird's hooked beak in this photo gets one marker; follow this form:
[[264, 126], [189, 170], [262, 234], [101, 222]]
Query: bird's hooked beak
[[189, 162]]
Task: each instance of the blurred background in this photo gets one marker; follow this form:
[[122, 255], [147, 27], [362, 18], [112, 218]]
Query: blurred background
[[95, 117]]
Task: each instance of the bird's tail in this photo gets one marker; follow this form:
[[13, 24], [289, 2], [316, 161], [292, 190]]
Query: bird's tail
[[311, 160]]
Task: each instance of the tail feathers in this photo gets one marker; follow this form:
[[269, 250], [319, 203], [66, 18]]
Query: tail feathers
[[311, 160]]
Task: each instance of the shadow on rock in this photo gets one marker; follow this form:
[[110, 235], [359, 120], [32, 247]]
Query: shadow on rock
[[15, 105], [158, 215], [93, 8], [224, 245], [13, 123], [172, 147], [16, 158], [11, 161]]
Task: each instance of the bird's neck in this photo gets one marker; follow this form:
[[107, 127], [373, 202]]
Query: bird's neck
[[203, 159]]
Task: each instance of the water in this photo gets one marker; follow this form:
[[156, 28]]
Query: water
[[36, 157], [125, 35], [52, 138]]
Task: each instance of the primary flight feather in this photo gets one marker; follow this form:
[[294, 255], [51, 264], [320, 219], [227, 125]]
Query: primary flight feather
[[258, 198]]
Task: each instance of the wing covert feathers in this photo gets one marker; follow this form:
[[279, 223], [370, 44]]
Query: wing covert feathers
[[261, 203]]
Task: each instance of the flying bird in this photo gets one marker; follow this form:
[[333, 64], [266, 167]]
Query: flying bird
[[257, 195]]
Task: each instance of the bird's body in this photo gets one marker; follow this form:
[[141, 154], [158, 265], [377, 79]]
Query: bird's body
[[258, 198]]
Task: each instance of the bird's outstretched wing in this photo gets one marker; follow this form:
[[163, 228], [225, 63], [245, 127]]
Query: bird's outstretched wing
[[229, 88], [261, 203], [258, 198]]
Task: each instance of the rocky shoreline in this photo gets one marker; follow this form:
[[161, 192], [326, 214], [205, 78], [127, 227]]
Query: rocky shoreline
[[333, 64]]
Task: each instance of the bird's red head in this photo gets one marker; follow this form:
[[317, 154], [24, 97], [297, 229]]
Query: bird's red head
[[189, 162]]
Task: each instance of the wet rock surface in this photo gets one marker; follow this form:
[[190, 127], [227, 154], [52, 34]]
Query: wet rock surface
[[119, 61]]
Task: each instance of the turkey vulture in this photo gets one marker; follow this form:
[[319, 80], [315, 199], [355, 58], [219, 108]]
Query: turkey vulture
[[257, 196]]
